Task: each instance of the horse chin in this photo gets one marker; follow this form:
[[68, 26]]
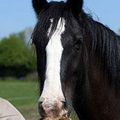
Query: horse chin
[[59, 118]]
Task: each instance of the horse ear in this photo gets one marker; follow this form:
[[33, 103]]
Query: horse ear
[[75, 5], [38, 5]]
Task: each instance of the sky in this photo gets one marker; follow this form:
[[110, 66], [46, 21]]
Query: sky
[[16, 15]]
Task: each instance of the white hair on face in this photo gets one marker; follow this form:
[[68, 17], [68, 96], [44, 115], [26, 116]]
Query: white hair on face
[[52, 86]]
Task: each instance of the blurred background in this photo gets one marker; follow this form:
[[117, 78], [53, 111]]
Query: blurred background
[[18, 76]]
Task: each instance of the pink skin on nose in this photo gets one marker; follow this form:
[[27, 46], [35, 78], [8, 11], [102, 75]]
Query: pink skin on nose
[[55, 110]]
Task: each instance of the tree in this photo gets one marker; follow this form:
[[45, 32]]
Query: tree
[[25, 35], [15, 58], [119, 31]]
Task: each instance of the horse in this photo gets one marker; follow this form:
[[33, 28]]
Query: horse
[[78, 63]]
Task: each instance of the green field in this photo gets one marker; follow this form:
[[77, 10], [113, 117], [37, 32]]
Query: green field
[[23, 95]]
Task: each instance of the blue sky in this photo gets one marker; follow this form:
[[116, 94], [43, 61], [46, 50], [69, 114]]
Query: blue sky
[[16, 15]]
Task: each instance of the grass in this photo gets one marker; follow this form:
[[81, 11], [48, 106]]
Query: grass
[[23, 95]]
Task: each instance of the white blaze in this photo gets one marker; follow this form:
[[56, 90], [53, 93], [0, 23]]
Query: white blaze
[[52, 86]]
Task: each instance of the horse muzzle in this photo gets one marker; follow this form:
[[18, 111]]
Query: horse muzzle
[[53, 110]]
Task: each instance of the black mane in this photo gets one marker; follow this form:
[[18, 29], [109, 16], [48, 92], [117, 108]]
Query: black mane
[[106, 44]]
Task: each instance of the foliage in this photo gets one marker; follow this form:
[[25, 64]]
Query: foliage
[[25, 35], [16, 59], [119, 31]]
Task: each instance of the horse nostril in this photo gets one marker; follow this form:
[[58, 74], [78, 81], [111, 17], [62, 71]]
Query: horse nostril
[[64, 104], [40, 108], [40, 104]]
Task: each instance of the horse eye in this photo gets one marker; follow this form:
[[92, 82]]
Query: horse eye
[[77, 44]]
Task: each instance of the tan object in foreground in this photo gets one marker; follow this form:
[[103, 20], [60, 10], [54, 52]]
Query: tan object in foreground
[[8, 111]]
